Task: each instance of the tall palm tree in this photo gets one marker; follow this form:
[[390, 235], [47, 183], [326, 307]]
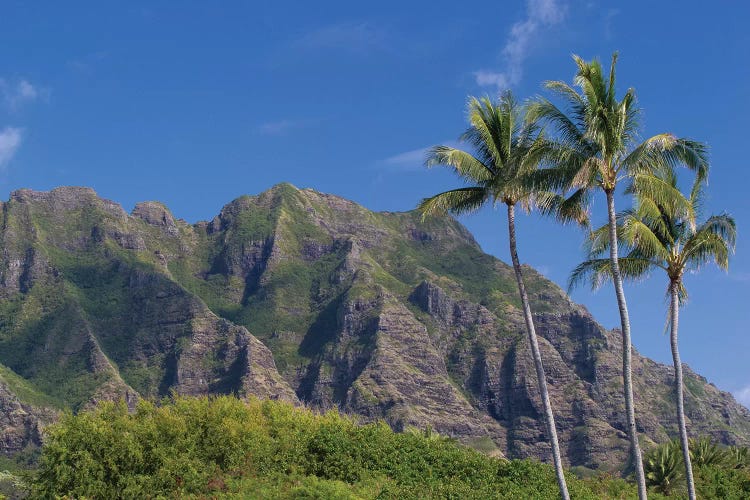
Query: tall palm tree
[[596, 147], [504, 152], [663, 236]]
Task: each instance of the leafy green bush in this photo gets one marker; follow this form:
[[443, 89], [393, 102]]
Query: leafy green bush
[[722, 482], [225, 447]]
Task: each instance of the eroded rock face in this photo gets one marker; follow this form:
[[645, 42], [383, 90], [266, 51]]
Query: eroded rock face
[[21, 424], [92, 314], [310, 298], [156, 214], [239, 363], [406, 381]]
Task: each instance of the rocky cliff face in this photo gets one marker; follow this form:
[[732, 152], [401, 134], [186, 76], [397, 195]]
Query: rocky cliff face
[[308, 297]]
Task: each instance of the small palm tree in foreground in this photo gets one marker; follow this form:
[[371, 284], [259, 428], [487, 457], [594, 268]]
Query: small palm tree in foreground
[[739, 457], [663, 467], [597, 146], [662, 235], [504, 154], [704, 452]]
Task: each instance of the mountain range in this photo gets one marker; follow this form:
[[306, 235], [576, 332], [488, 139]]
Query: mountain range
[[308, 297]]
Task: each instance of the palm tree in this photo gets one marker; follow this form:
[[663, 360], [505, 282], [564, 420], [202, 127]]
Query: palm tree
[[663, 236], [739, 457], [597, 146], [504, 154], [663, 467], [705, 452]]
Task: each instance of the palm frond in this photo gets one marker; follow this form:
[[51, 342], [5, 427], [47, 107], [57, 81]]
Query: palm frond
[[664, 193], [569, 132], [714, 241], [564, 209], [611, 99], [722, 226], [664, 467], [486, 129], [697, 194], [705, 452], [464, 164], [666, 152], [597, 272], [597, 243], [456, 201], [638, 235]]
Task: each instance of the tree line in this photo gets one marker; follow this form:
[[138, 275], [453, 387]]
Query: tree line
[[554, 158]]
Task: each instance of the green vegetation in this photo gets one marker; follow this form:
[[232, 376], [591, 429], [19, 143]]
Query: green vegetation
[[24, 390], [720, 472], [224, 447], [227, 448]]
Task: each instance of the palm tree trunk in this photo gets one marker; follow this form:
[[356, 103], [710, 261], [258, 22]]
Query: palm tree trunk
[[674, 313], [541, 380], [635, 448]]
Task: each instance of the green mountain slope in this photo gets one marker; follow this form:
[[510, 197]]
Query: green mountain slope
[[311, 298]]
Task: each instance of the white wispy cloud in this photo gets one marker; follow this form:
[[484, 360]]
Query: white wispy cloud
[[540, 14], [350, 36], [743, 396], [742, 277], [281, 127], [609, 18], [543, 269], [87, 63], [410, 160], [10, 141], [19, 92]]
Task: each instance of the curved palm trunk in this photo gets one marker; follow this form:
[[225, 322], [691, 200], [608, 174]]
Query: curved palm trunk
[[635, 448], [542, 381], [674, 313]]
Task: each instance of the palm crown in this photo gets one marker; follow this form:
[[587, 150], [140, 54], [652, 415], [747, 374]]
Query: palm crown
[[506, 152], [661, 235], [597, 140]]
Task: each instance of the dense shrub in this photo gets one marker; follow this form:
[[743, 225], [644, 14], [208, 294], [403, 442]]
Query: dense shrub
[[226, 447]]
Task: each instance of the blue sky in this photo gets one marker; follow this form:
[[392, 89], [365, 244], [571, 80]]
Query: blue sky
[[196, 103]]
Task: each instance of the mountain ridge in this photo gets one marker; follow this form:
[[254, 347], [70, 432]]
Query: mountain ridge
[[312, 298]]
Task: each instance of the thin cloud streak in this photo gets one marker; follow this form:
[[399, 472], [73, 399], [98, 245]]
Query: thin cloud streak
[[281, 127], [352, 37], [10, 141], [743, 396], [539, 14], [410, 160], [15, 94], [741, 277]]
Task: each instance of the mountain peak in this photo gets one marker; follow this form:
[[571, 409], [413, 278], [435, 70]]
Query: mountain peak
[[156, 214], [310, 297]]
